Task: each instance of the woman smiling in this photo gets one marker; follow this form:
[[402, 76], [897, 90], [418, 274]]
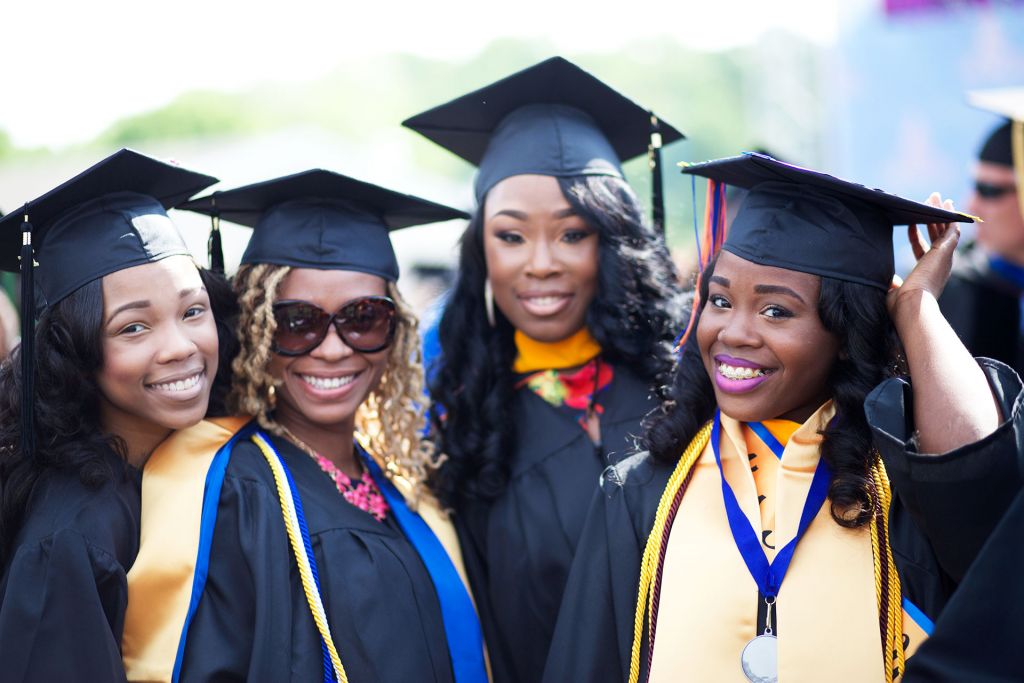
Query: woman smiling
[[556, 331], [329, 558], [125, 351], [759, 538]]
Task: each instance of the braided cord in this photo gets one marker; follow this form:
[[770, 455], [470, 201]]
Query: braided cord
[[887, 580], [650, 565], [881, 581], [655, 600], [291, 524]]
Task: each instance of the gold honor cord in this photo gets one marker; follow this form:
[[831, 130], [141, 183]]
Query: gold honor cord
[[652, 551], [887, 581], [291, 524]]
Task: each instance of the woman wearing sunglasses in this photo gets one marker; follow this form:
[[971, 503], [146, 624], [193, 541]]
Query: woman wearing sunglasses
[[553, 339], [322, 554]]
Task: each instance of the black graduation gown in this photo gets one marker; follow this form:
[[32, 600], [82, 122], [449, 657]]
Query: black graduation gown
[[984, 309], [253, 622], [979, 635], [518, 549], [64, 589], [969, 489]]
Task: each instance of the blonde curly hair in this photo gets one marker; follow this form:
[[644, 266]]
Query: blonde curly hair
[[389, 423]]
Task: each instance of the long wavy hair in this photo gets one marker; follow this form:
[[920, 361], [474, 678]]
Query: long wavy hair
[[389, 423], [69, 435], [635, 313], [869, 352]]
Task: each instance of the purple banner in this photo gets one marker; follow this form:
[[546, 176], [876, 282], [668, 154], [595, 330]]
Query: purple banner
[[897, 7]]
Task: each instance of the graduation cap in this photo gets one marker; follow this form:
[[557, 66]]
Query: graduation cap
[[321, 219], [809, 221], [1005, 145], [999, 147], [553, 119], [109, 217]]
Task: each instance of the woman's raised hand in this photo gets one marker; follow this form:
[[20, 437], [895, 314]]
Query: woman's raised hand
[[934, 257]]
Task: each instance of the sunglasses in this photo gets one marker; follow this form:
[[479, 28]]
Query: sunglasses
[[366, 324], [990, 191]]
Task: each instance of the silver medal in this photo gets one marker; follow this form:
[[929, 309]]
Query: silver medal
[[760, 660], [760, 657]]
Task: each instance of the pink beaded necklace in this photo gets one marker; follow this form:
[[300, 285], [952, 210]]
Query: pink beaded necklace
[[365, 495]]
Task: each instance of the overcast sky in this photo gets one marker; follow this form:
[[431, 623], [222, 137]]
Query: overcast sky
[[70, 68]]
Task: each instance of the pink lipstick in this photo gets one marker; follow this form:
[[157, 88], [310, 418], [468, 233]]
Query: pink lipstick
[[737, 375]]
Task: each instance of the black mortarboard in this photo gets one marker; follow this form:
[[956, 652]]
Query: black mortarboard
[[552, 118], [109, 217], [321, 219], [804, 220], [998, 148], [1006, 144]]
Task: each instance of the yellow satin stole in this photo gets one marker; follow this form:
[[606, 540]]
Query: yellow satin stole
[[827, 610], [160, 581]]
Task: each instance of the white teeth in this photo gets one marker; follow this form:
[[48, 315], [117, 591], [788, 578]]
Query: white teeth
[[734, 372], [545, 300], [180, 385], [327, 382]]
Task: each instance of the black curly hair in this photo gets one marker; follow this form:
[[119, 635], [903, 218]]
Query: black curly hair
[[69, 437], [869, 352], [635, 313]]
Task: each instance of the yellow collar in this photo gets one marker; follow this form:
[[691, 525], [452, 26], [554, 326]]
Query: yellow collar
[[571, 352]]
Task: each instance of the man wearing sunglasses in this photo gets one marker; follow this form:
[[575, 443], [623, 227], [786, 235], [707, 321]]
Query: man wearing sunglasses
[[983, 299]]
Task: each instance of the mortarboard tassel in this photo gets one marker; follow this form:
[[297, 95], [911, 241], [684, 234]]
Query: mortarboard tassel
[[654, 161], [214, 247], [28, 434], [714, 238]]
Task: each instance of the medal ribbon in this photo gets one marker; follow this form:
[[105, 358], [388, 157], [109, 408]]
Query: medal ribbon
[[767, 438], [767, 576]]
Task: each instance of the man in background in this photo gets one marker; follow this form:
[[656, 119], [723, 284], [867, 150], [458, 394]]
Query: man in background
[[983, 299]]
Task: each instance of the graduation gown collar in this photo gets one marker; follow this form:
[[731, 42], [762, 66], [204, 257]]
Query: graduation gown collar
[[571, 352]]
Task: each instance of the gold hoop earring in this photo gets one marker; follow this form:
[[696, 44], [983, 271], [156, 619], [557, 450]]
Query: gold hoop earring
[[489, 302]]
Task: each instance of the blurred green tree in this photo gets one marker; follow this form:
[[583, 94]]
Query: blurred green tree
[[704, 94]]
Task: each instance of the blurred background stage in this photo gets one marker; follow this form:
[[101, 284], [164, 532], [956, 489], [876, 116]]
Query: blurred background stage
[[872, 90]]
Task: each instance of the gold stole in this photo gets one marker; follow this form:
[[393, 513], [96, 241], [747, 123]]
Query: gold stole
[[160, 581], [827, 611]]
